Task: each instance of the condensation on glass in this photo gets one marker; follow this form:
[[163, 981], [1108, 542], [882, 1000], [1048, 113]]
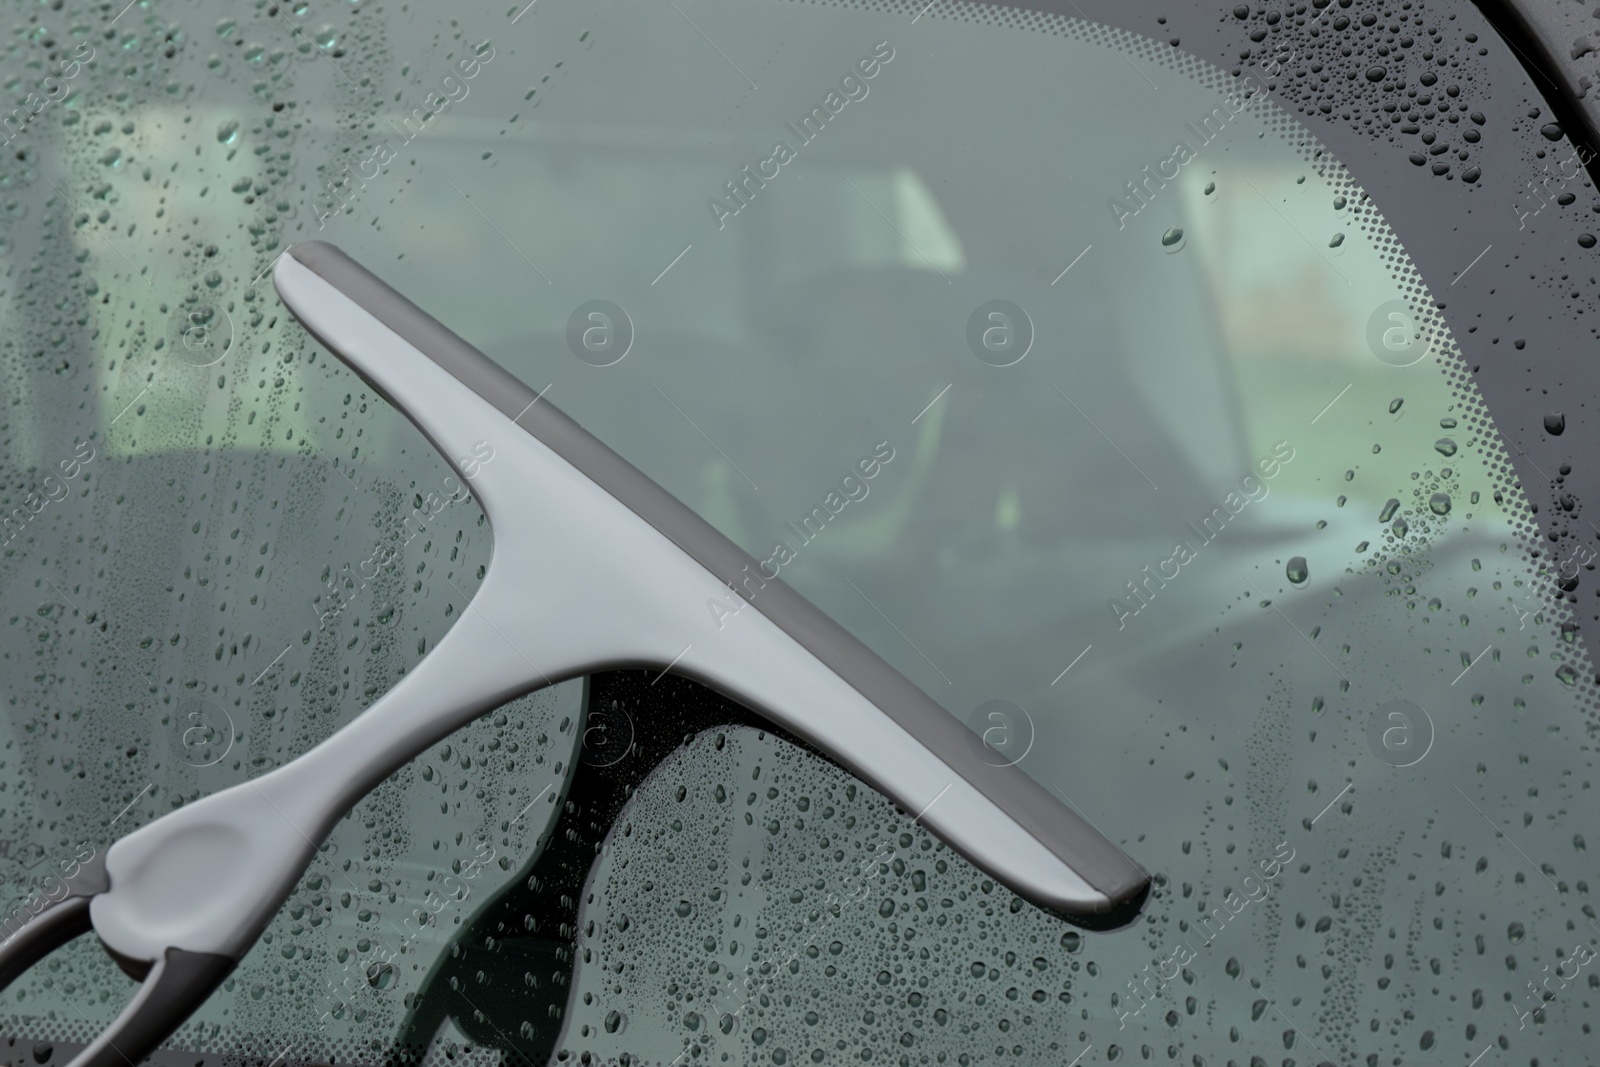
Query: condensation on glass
[[1068, 372]]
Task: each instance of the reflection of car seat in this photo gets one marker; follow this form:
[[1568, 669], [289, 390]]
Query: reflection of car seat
[[718, 383], [894, 337]]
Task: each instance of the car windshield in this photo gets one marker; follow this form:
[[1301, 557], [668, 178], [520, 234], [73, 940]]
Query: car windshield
[[1069, 372]]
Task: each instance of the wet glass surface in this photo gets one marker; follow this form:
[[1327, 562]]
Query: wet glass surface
[[1067, 371]]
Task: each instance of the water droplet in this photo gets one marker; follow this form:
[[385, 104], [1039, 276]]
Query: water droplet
[[1211, 187], [1394, 405], [1439, 503], [228, 131], [1376, 74], [1392, 506], [1551, 131], [1554, 423], [1445, 446], [1339, 202], [1336, 240], [1586, 240], [1297, 571], [1172, 240]]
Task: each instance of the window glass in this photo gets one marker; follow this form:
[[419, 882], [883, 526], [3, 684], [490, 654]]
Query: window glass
[[1067, 371]]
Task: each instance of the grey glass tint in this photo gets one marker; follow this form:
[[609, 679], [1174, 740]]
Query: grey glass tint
[[997, 383], [1070, 374]]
